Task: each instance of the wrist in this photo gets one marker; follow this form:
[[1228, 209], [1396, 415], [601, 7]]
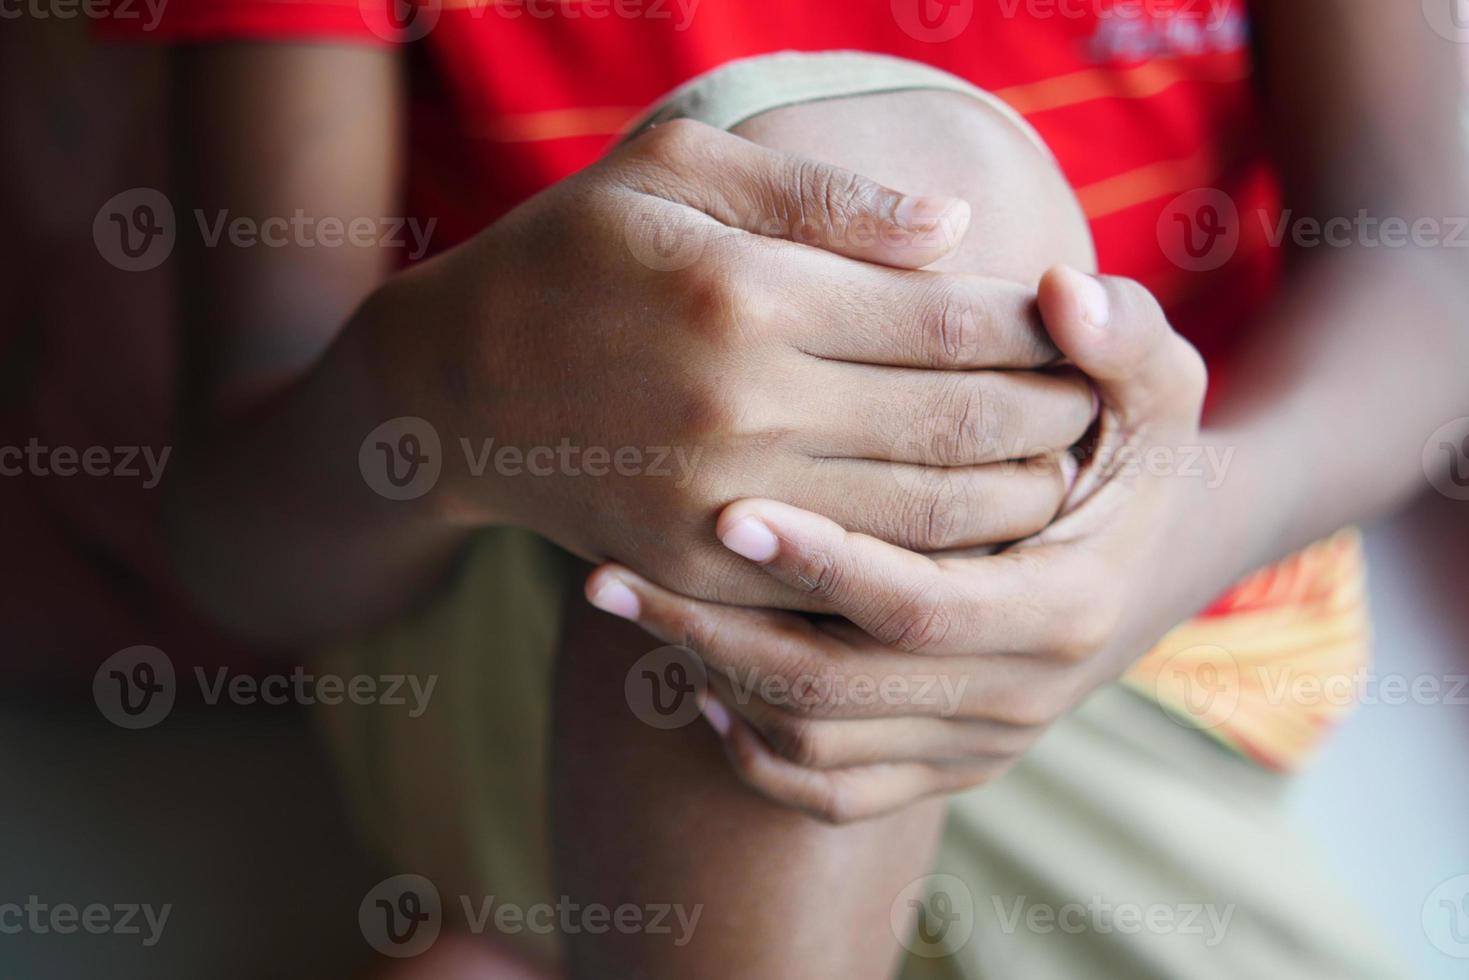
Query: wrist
[[412, 418]]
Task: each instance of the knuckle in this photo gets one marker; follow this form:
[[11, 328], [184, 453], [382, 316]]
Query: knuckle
[[796, 740], [807, 684], [1031, 707], [837, 803], [942, 515], [696, 632], [710, 410], [832, 198], [673, 142], [916, 624], [958, 424], [819, 574], [1006, 742], [1083, 634], [1193, 373], [951, 319], [713, 296]]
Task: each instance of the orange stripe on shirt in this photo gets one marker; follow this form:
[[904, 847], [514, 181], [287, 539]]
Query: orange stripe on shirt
[[554, 124], [1142, 82], [1057, 92], [1154, 180]]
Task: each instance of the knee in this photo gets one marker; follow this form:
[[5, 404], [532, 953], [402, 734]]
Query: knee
[[1026, 217]]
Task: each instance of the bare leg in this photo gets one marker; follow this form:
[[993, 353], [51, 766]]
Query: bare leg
[[657, 817]]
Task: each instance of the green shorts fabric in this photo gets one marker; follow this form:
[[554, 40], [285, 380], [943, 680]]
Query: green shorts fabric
[[1123, 846]]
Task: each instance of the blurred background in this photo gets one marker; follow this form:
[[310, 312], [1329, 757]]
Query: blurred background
[[230, 815]]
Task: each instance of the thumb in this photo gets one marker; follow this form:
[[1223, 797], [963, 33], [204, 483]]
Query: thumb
[[1117, 334], [766, 192]]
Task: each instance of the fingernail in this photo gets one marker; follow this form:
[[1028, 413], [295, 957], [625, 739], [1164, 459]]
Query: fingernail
[[1096, 308], [749, 538], [927, 213], [617, 599], [717, 715], [1069, 470]]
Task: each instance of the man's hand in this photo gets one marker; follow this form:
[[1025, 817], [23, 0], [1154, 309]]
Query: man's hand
[[949, 668], [668, 302]]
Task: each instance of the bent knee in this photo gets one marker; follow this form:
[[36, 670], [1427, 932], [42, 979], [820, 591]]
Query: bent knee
[[926, 141]]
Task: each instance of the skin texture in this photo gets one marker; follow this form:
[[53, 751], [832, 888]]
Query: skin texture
[[277, 538], [686, 828], [765, 361], [1038, 627]]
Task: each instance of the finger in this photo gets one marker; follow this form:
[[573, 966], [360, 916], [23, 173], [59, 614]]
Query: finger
[[1015, 601], [766, 192], [946, 418], [838, 796], [927, 320], [763, 661], [931, 509], [745, 645], [838, 743], [1115, 331]]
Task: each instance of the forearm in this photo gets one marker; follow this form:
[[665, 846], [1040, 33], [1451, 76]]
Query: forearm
[[273, 524], [1360, 361]]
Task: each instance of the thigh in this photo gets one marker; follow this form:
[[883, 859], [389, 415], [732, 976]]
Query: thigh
[[1128, 845]]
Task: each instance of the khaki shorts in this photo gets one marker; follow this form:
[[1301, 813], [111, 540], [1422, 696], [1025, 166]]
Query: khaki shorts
[[1125, 845]]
